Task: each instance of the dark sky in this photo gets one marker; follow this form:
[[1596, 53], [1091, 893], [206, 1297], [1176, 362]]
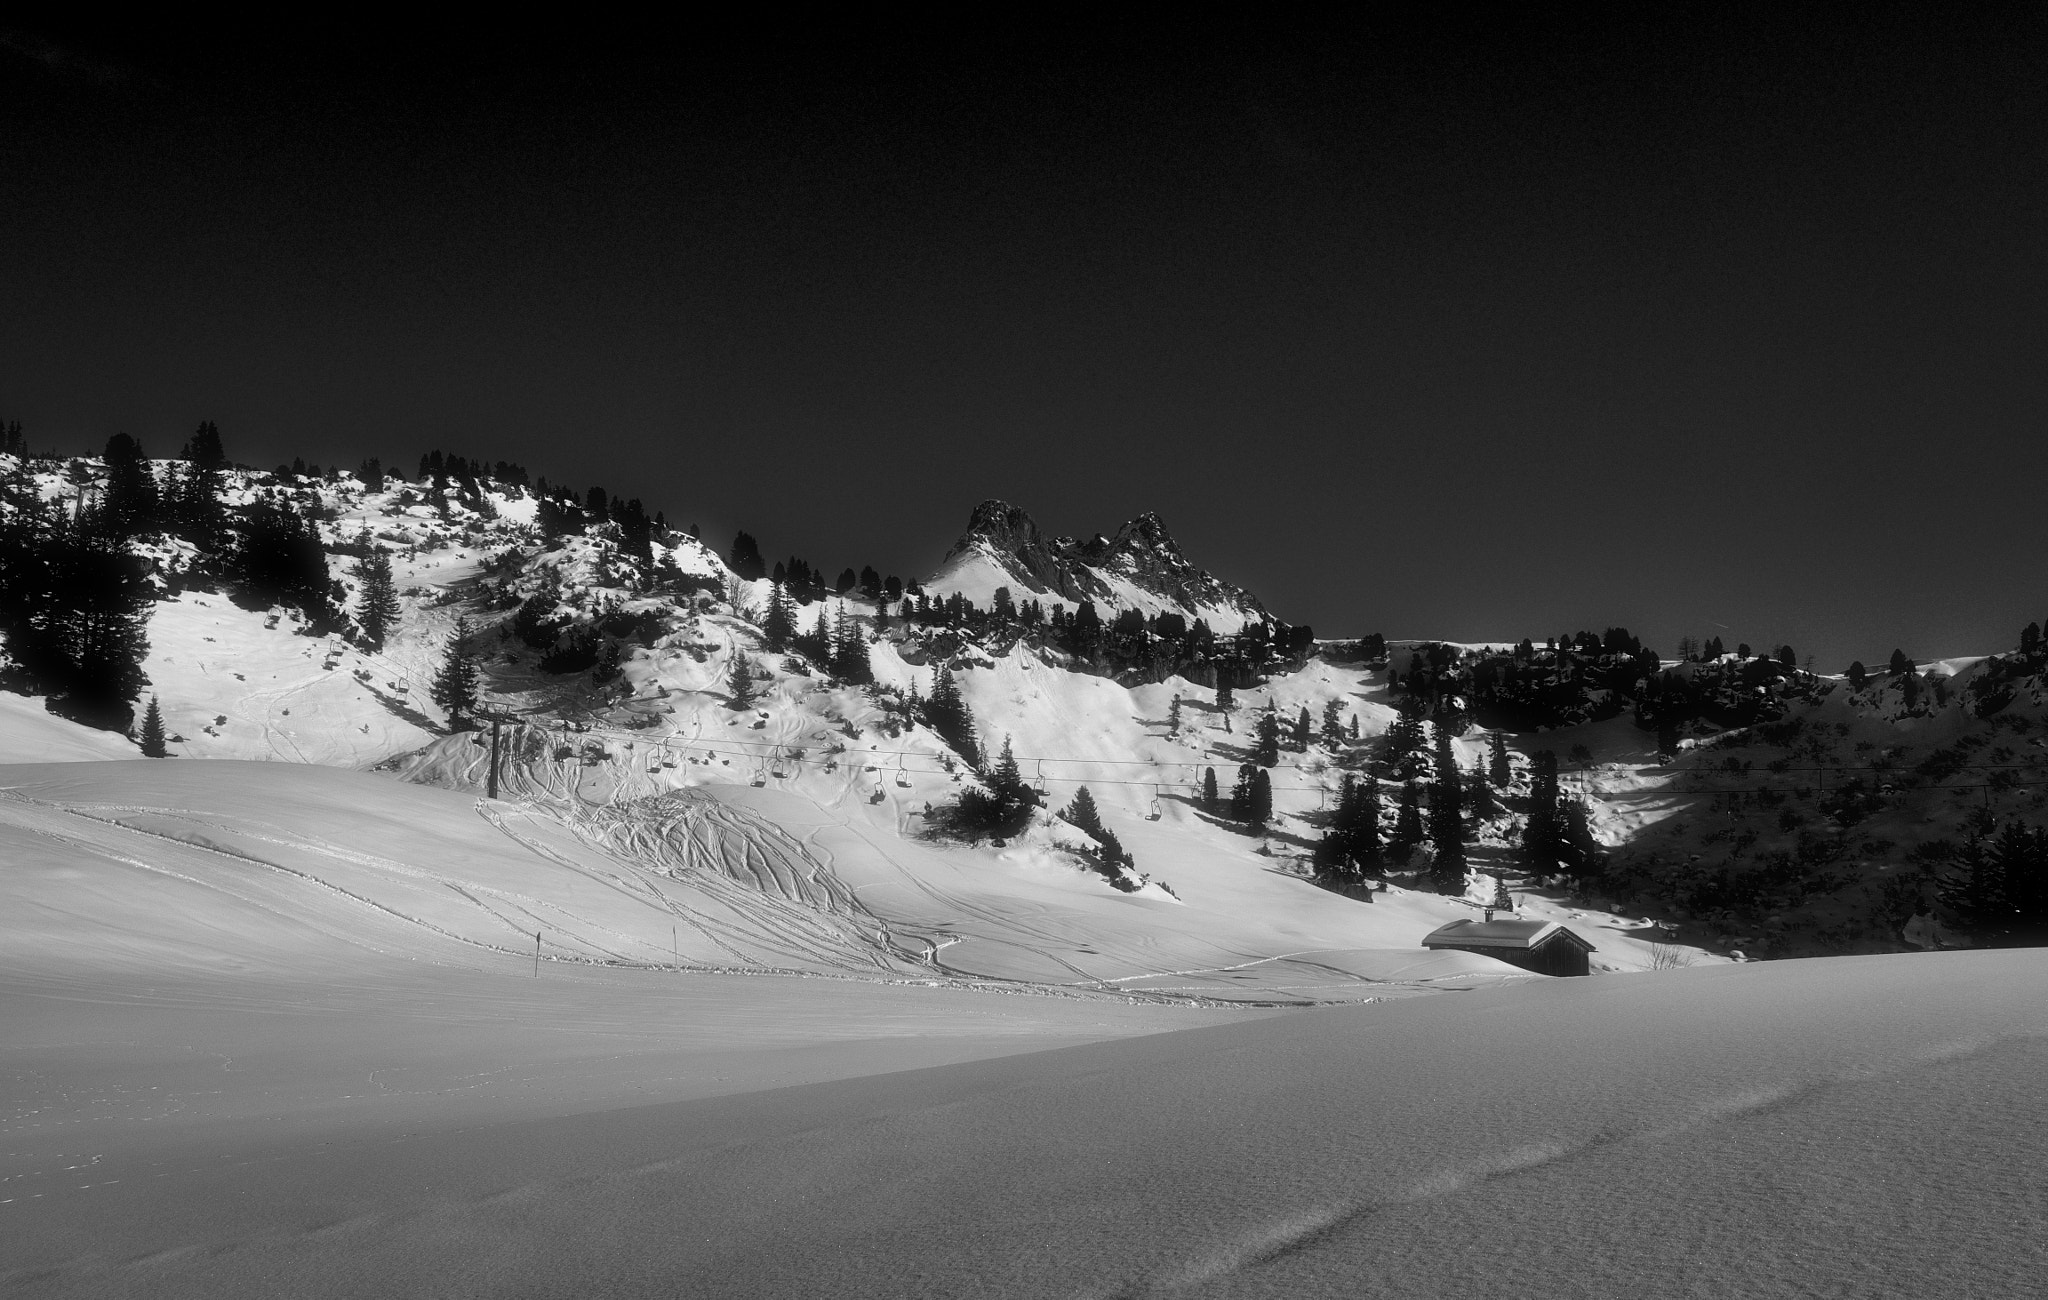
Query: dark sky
[[1710, 325]]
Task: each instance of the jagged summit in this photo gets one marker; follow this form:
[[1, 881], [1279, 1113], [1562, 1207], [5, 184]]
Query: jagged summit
[[1140, 567]]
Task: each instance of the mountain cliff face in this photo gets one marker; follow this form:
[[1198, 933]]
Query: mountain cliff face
[[1141, 567]]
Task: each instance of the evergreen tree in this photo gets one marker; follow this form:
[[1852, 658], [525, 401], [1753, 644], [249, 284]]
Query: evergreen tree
[[1261, 812], [845, 583], [1266, 753], [739, 681], [1403, 739], [1006, 781], [1501, 902], [850, 662], [1351, 843], [779, 624], [1478, 792], [1333, 724], [1858, 675], [947, 714], [1302, 731], [1999, 892], [1241, 794], [1226, 698], [203, 449], [1542, 833], [1579, 853], [1447, 820], [1211, 800], [377, 609], [132, 505], [1900, 664], [1499, 770], [74, 606], [279, 560], [1173, 714], [1082, 812], [455, 685], [2030, 639], [153, 732], [745, 558], [1407, 832], [193, 509]]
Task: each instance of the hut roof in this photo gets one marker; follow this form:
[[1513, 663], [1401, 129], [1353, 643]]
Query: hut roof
[[1499, 934]]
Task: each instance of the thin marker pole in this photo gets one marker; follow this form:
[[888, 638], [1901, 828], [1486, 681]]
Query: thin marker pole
[[536, 954]]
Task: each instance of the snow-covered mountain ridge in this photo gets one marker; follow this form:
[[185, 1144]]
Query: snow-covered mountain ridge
[[614, 643]]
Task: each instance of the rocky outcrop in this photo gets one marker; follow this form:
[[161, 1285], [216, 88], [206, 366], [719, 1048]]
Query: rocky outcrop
[[1142, 554]]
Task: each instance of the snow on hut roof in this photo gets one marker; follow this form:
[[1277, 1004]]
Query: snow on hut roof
[[1499, 934]]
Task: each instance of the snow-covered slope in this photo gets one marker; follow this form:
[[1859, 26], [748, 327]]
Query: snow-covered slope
[[1857, 1126], [1141, 568]]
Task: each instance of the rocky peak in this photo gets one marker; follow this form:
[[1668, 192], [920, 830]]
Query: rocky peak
[[1141, 553]]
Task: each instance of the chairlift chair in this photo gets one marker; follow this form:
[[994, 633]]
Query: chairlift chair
[[760, 776], [1154, 813], [902, 781]]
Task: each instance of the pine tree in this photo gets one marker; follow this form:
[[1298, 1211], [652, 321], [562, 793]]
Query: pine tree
[[1082, 812], [1499, 770], [1579, 853], [1241, 794], [1302, 731], [132, 505], [1261, 812], [1333, 724], [779, 624], [455, 685], [1407, 832], [1900, 663], [1447, 821], [1483, 804], [1211, 800], [948, 715], [377, 608], [745, 558], [849, 648], [1502, 901], [1266, 753], [1542, 833], [2030, 638], [153, 732], [1226, 698], [1173, 714], [739, 681], [203, 449], [1858, 675]]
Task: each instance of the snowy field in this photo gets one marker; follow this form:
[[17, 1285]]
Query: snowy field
[[276, 1029], [1863, 1127]]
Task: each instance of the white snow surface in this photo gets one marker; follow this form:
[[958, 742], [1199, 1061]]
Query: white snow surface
[[1862, 1127]]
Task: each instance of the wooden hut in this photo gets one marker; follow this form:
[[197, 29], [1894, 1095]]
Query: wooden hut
[[1544, 947]]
